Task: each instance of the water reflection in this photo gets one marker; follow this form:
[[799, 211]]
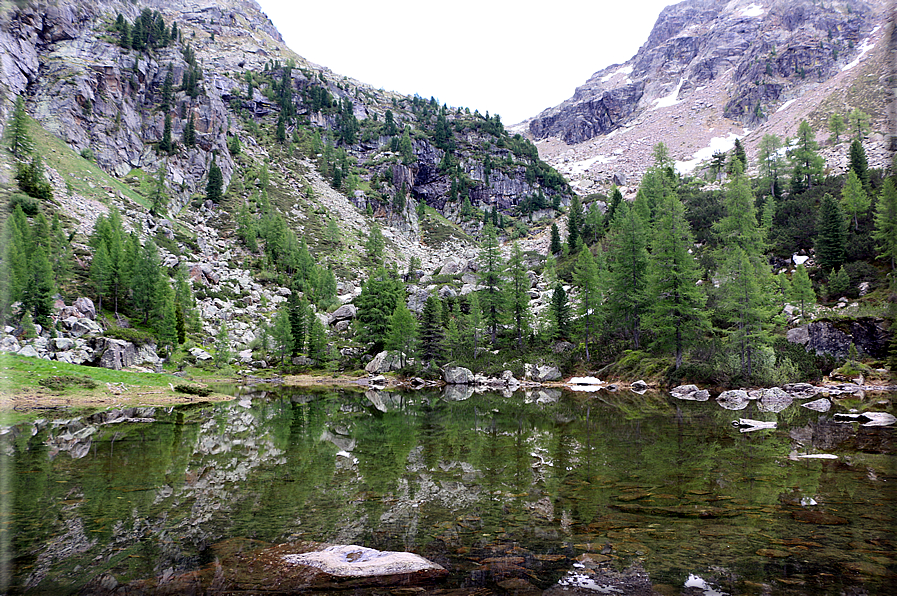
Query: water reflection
[[628, 480]]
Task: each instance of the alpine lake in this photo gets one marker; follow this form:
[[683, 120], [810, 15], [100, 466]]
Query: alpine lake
[[514, 493]]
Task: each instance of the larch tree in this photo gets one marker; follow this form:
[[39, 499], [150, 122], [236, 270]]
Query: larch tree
[[802, 290], [806, 162], [19, 138], [587, 278], [492, 295], [769, 157], [518, 295], [854, 199], [627, 259], [676, 303], [831, 234], [431, 334], [885, 233], [402, 335]]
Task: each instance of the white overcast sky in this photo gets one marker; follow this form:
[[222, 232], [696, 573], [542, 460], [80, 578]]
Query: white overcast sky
[[509, 58]]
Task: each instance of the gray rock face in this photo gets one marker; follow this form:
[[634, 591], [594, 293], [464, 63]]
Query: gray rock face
[[86, 308], [115, 353], [457, 375], [823, 337], [546, 373]]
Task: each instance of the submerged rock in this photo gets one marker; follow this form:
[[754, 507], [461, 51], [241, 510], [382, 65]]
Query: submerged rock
[[632, 581], [690, 393], [819, 405], [348, 561]]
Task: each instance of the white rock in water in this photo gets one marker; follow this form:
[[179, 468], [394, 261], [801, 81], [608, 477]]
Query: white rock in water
[[358, 561]]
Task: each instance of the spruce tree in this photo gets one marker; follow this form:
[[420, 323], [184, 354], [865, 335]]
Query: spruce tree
[[431, 334], [215, 183], [560, 310], [838, 283], [831, 234], [375, 245], [858, 162], [282, 333], [37, 295], [190, 132], [145, 280], [555, 246], [379, 297]]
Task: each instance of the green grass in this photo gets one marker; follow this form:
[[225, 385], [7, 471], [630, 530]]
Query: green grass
[[20, 373]]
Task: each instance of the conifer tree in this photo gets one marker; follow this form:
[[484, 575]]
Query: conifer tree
[[19, 138], [560, 310], [60, 252], [831, 235], [492, 295], [806, 163], [100, 273], [165, 145], [587, 277], [836, 126], [613, 203], [627, 259], [145, 280], [454, 332], [402, 335], [574, 224], [190, 132], [375, 245], [282, 333], [215, 183], [37, 295], [859, 123], [885, 233], [158, 196], [838, 282], [167, 91], [555, 246], [518, 295], [167, 333], [802, 290], [317, 340], [474, 324], [379, 297], [300, 315], [770, 160], [431, 334], [854, 198], [676, 313], [858, 162]]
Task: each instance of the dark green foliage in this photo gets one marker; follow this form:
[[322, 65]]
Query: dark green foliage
[[167, 91], [492, 295], [190, 132], [135, 336], [165, 145], [63, 382], [805, 161], [574, 224], [431, 334], [858, 162], [378, 300], [738, 153], [555, 246], [560, 311], [215, 183], [831, 234], [19, 138], [148, 32], [31, 180]]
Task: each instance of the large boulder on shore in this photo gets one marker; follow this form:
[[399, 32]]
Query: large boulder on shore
[[384, 362], [734, 399], [457, 375], [115, 353], [834, 338]]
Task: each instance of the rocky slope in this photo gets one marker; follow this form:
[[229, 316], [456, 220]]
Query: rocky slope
[[714, 70]]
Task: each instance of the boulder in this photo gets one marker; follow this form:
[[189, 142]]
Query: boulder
[[62, 344], [734, 399], [200, 354], [115, 353], [690, 393], [8, 343], [384, 362], [85, 306], [418, 299], [28, 351], [819, 405], [546, 373], [451, 267], [800, 390], [824, 337], [457, 375], [343, 313], [632, 581], [639, 385], [146, 354], [350, 561]]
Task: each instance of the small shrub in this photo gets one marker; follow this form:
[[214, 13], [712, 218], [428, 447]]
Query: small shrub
[[135, 336], [62, 382], [193, 390], [30, 206]]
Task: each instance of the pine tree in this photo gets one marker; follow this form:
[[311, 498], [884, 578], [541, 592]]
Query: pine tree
[[587, 277], [215, 183], [300, 315], [738, 153], [165, 144], [885, 233], [20, 139], [838, 282], [676, 303], [831, 235], [492, 295], [627, 263], [802, 290], [518, 295], [379, 297], [854, 198], [431, 334], [555, 246]]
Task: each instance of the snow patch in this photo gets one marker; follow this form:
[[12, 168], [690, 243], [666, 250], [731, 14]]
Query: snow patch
[[717, 144], [786, 104], [669, 100], [864, 48], [623, 70], [753, 11]]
